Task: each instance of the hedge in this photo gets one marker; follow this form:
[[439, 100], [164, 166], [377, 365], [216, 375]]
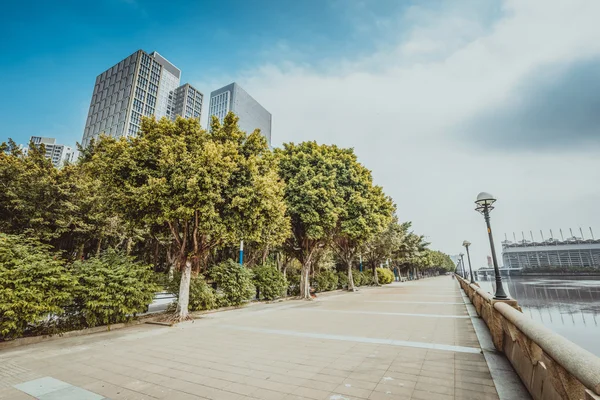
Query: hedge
[[269, 282], [234, 283], [33, 285]]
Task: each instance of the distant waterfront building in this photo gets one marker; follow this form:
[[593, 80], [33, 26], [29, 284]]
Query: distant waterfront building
[[252, 115], [140, 85], [573, 252], [59, 154]]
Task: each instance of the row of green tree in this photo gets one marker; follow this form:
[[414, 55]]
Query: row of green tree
[[181, 198]]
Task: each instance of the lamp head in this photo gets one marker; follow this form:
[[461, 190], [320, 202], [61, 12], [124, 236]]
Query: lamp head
[[461, 255], [466, 243], [485, 199]]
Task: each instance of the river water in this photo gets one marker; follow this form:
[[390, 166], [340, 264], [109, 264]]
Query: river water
[[568, 305]]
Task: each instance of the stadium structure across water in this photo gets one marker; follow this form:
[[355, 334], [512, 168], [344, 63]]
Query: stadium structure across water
[[572, 252]]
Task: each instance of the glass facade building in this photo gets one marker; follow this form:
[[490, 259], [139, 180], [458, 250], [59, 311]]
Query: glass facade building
[[252, 115], [143, 84]]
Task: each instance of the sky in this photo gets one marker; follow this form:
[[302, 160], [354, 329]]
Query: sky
[[440, 99]]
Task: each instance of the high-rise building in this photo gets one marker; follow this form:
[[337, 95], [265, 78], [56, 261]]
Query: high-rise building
[[57, 153], [140, 85], [187, 102], [252, 115]]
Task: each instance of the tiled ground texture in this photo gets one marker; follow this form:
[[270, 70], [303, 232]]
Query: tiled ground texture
[[374, 344]]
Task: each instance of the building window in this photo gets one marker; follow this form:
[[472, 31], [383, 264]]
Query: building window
[[136, 117], [142, 82], [140, 94], [137, 105], [151, 100]]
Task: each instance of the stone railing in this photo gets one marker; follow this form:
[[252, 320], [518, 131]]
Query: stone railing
[[550, 366]]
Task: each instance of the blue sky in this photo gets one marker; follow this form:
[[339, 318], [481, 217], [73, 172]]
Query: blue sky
[[52, 51]]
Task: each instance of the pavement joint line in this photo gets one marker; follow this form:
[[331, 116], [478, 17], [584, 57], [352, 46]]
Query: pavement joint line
[[426, 295], [359, 339], [410, 302], [387, 313]]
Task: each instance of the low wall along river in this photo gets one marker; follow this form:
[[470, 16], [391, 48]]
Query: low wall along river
[[550, 366], [568, 305]]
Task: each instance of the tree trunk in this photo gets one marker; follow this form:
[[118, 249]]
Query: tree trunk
[[265, 254], [351, 287], [184, 292], [305, 282], [98, 247], [80, 254], [375, 277]]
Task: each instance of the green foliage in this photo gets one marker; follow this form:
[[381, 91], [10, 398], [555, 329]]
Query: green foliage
[[33, 285], [360, 279], [202, 296], [205, 189], [442, 261], [269, 281], [385, 276], [342, 279], [111, 289], [234, 283], [312, 199], [293, 279], [325, 280], [330, 197]]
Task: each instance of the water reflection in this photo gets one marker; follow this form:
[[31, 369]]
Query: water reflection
[[570, 306]]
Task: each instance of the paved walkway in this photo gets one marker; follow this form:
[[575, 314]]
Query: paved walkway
[[411, 340]]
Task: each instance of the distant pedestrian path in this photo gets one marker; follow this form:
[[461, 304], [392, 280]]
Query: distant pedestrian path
[[410, 340]]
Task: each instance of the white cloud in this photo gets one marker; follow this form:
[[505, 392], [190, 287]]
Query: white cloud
[[398, 108]]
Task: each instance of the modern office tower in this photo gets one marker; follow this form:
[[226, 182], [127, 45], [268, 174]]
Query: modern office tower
[[187, 102], [252, 115], [140, 85], [58, 153]]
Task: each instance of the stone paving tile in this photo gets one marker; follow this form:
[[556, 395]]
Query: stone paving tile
[[242, 354]]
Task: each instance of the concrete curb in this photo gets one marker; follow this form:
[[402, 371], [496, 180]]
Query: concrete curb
[[9, 344]]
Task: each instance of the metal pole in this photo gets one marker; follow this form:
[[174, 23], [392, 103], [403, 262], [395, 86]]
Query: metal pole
[[470, 268], [500, 294], [242, 252], [462, 262], [360, 264]]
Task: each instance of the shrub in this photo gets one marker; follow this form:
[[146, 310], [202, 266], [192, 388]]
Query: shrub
[[368, 276], [234, 283], [385, 276], [269, 281], [110, 289], [342, 280], [325, 280], [293, 284], [357, 277], [202, 296], [33, 285]]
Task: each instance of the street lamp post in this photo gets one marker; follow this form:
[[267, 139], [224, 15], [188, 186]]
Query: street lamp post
[[466, 243], [462, 264], [484, 206]]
